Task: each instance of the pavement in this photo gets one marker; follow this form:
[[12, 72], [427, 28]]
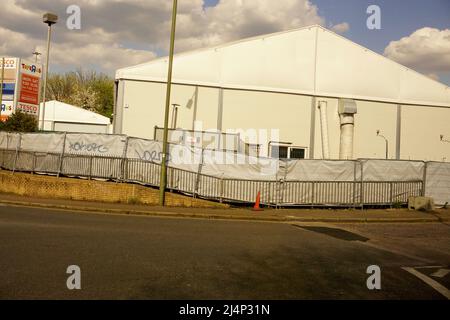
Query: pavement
[[147, 257], [273, 215]]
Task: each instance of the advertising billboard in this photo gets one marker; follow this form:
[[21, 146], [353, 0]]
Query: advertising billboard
[[9, 77], [9, 87], [8, 91], [21, 87], [28, 108], [10, 63], [29, 87], [6, 110]]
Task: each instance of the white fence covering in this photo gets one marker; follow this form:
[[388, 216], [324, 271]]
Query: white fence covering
[[231, 175], [145, 150], [323, 170], [9, 141], [51, 143], [228, 165], [438, 182], [388, 170], [96, 144]]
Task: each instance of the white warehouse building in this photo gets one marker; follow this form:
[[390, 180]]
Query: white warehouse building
[[64, 117], [327, 97]]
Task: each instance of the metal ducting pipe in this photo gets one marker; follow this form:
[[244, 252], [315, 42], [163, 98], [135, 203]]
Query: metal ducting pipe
[[324, 127], [347, 111]]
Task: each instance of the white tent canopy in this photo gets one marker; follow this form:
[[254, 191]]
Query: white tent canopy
[[310, 61], [61, 116]]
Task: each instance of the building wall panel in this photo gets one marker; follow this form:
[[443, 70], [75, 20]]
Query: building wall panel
[[290, 114], [421, 130]]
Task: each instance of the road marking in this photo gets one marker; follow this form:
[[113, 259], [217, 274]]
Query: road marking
[[440, 273], [432, 283]]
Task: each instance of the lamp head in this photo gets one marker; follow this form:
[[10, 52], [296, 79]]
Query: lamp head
[[50, 18]]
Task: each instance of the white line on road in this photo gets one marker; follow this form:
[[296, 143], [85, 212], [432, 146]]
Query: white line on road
[[440, 273], [432, 283]]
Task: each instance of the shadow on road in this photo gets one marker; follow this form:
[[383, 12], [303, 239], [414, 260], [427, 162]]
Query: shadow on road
[[335, 233]]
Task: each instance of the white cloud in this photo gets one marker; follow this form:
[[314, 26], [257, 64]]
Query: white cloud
[[126, 32], [341, 27], [426, 50], [234, 19], [103, 56]]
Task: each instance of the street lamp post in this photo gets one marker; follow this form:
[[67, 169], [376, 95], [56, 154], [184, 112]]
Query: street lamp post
[[49, 19], [163, 179], [387, 143], [1, 87], [175, 115], [36, 54]]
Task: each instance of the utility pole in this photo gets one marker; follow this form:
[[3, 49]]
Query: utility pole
[[163, 180], [1, 87], [49, 19]]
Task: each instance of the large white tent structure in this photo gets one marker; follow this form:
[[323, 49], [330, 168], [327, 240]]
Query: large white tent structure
[[327, 97], [64, 117]]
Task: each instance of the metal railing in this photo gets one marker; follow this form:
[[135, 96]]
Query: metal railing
[[279, 193]]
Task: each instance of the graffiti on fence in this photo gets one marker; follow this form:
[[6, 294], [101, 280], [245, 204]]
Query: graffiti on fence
[[90, 147], [152, 156]]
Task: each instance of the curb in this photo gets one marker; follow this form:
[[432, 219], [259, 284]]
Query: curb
[[222, 216]]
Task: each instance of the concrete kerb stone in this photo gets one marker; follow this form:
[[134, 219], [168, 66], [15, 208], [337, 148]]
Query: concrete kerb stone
[[221, 216]]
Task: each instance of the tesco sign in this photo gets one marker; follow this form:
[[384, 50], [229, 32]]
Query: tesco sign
[[10, 63]]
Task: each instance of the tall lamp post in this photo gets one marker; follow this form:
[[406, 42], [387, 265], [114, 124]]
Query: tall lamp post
[[163, 179], [49, 19], [1, 87], [387, 143], [36, 54]]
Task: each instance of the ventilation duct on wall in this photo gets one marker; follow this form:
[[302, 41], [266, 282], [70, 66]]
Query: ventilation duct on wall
[[347, 110]]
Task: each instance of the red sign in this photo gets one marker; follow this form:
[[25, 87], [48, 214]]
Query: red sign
[[30, 109], [29, 92]]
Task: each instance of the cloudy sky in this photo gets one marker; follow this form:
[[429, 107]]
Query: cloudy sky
[[118, 33]]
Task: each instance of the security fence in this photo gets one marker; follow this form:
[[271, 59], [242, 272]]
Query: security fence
[[227, 177]]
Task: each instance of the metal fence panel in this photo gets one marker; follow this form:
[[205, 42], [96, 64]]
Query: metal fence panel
[[356, 189], [181, 180], [47, 162], [209, 187], [106, 168], [24, 161], [142, 172], [7, 159], [74, 165]]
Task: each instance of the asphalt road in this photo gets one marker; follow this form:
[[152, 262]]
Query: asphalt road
[[126, 257]]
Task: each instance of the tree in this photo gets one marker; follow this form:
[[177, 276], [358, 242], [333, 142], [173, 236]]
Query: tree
[[85, 89], [86, 97], [20, 122]]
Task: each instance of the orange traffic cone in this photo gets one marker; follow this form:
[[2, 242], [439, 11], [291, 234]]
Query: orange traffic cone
[[258, 201]]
